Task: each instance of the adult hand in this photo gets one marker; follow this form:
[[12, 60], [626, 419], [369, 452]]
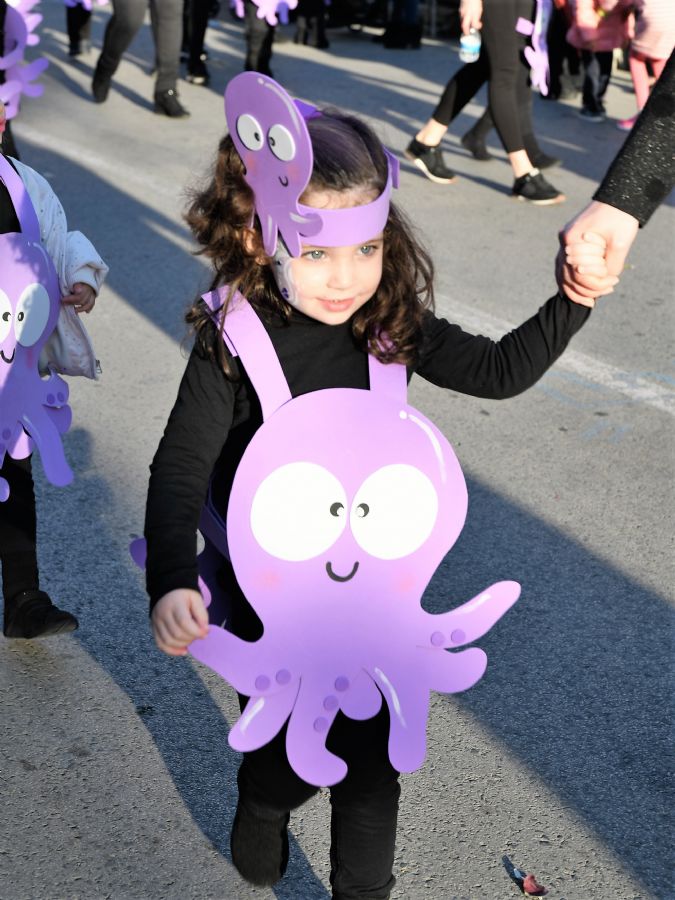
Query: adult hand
[[82, 297], [179, 618], [616, 228], [470, 15]]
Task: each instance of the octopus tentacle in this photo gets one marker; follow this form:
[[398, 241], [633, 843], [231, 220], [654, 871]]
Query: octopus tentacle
[[308, 727], [362, 700], [237, 661], [408, 707], [262, 719], [46, 437], [472, 620]]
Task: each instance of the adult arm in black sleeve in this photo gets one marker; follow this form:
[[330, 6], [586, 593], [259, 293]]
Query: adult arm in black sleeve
[[476, 365], [179, 474], [640, 178], [643, 172]]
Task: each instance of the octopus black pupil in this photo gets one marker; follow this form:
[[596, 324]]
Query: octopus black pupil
[[20, 317]]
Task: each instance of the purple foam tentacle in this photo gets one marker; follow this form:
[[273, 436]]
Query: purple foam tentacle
[[262, 719], [473, 619], [452, 673], [47, 439], [362, 700], [237, 661], [408, 703], [308, 729]]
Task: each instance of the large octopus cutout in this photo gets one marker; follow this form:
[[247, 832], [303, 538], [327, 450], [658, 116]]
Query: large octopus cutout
[[342, 507], [20, 77], [272, 11], [270, 134], [33, 410]]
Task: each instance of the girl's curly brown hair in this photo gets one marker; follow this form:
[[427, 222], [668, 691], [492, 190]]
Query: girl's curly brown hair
[[348, 155]]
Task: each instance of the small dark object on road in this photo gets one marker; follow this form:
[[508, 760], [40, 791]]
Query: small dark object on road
[[528, 884]]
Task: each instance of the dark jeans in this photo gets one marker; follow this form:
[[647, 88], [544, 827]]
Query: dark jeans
[[559, 51], [364, 806], [167, 24], [500, 64], [597, 72], [18, 530]]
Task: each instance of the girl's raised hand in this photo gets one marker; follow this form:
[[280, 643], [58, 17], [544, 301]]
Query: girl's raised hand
[[177, 619]]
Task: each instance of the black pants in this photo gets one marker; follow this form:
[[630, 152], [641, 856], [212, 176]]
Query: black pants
[[18, 526], [167, 25], [195, 20], [364, 806], [78, 24], [559, 51], [501, 64], [597, 72], [259, 40]]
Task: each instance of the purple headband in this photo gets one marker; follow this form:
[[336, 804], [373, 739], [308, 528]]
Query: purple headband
[[270, 133]]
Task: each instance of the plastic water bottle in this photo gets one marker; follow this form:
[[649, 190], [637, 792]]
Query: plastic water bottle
[[469, 46]]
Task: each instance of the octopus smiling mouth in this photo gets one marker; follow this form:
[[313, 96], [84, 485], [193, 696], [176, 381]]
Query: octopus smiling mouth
[[283, 181], [331, 573], [11, 359]]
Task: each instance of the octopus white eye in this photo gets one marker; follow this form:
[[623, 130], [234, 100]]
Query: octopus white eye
[[250, 133], [281, 143], [5, 316], [32, 312], [296, 511], [394, 511]]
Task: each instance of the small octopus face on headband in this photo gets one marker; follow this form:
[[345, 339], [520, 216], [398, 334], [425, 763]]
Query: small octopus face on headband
[[272, 139]]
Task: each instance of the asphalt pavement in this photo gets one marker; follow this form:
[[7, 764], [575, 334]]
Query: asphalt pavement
[[117, 779]]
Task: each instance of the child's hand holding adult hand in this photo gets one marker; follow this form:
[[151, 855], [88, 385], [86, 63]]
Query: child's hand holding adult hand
[[82, 297], [178, 618], [582, 270]]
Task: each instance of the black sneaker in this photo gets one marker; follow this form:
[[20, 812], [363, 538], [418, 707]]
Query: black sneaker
[[534, 188], [168, 104], [591, 115], [430, 161], [32, 614], [476, 147], [544, 161]]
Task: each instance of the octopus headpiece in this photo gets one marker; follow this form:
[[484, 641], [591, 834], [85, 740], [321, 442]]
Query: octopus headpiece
[[20, 77], [270, 133], [33, 410]]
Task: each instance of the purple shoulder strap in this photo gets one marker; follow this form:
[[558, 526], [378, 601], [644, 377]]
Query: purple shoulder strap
[[246, 338], [23, 206]]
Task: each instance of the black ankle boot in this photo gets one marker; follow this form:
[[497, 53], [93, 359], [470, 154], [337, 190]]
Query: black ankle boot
[[167, 102], [32, 614], [476, 146], [259, 843], [100, 84]]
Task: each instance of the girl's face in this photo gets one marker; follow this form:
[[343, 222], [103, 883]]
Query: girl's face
[[330, 284]]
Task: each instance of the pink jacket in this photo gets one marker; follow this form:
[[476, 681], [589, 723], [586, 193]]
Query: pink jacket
[[600, 24]]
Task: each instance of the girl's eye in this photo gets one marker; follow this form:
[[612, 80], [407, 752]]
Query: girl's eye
[[314, 254], [367, 249]]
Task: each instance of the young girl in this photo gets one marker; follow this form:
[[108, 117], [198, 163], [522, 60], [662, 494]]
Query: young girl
[[598, 28], [324, 305], [28, 610]]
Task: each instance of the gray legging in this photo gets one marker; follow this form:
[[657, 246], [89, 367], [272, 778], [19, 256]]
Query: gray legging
[[500, 64], [166, 17]]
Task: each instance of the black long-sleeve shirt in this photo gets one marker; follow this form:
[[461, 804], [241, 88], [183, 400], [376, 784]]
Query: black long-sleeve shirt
[[214, 418], [643, 172]]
